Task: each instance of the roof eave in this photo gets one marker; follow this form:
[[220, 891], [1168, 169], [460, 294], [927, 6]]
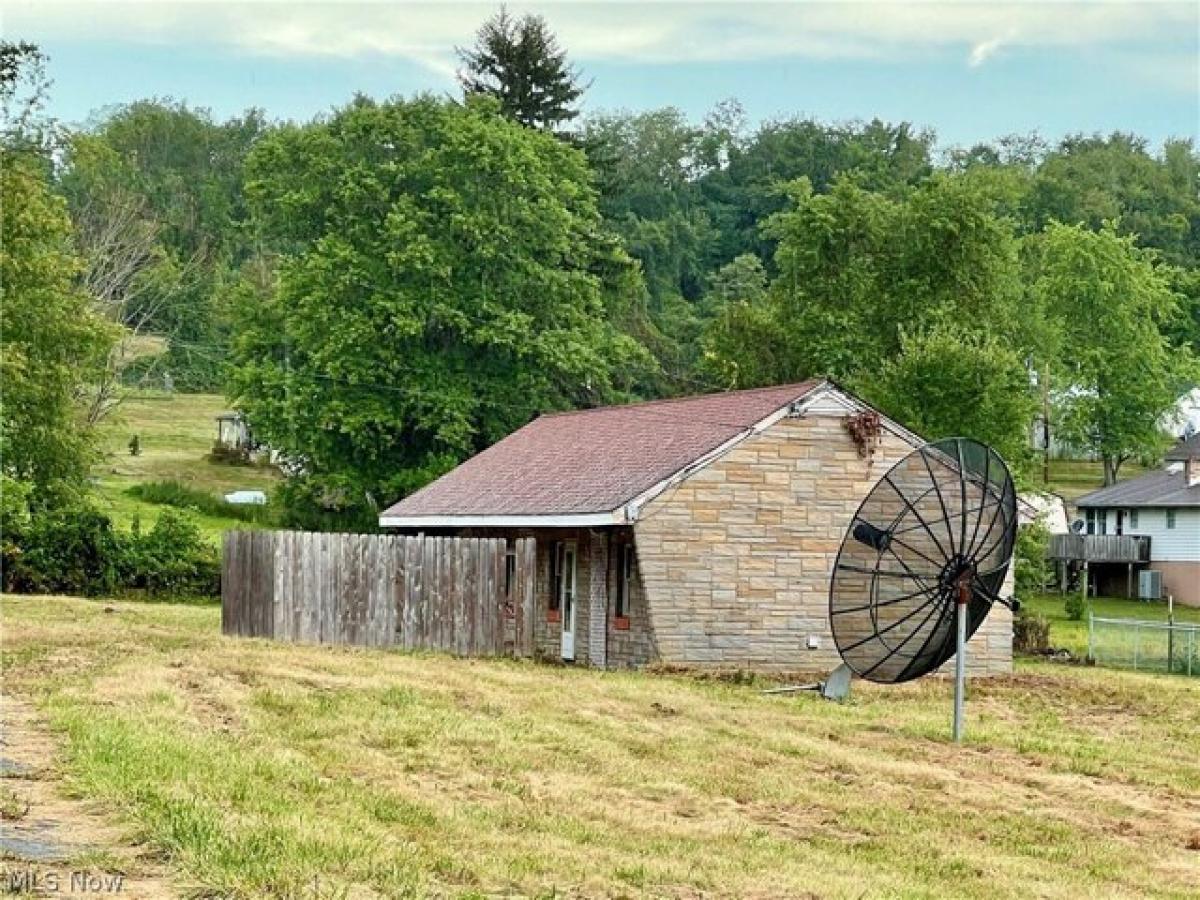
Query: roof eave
[[1153, 503], [559, 520]]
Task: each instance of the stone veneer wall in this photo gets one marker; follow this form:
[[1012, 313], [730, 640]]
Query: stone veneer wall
[[633, 646], [735, 561]]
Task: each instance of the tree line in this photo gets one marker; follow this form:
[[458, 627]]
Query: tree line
[[397, 284]]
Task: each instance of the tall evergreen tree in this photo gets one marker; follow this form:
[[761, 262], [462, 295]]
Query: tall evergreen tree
[[520, 62]]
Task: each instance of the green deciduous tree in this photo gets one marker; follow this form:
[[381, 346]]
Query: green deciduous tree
[[23, 89], [857, 268], [738, 315], [750, 187], [51, 342], [1096, 179], [161, 168], [520, 63], [1120, 372], [647, 167], [448, 278], [949, 382]]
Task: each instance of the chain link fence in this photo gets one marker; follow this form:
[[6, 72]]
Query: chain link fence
[[1145, 646]]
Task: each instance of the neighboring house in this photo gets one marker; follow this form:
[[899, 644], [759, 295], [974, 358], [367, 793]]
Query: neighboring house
[[1164, 507], [696, 532], [1184, 419], [1048, 509]]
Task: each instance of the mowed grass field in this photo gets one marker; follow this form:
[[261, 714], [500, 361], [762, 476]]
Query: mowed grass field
[[1072, 635], [176, 433], [255, 769]]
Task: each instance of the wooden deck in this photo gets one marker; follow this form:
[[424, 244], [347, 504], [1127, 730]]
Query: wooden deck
[[1100, 548]]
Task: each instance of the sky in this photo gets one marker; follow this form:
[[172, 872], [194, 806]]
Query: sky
[[970, 71]]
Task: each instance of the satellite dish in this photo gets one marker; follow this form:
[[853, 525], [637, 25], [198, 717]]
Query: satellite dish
[[922, 563], [1077, 526]]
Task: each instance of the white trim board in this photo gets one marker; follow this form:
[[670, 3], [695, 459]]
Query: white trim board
[[563, 520]]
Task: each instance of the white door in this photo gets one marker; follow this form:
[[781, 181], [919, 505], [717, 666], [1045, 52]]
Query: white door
[[566, 599]]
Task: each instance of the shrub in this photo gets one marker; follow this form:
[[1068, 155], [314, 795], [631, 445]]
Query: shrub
[[1031, 632], [74, 549], [330, 504], [181, 496], [1031, 569], [14, 524], [1075, 606], [172, 558], [70, 549]]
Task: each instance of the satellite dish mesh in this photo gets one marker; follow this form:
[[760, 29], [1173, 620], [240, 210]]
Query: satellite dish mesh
[[939, 525]]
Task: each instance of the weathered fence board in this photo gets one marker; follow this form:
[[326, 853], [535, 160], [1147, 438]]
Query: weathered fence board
[[420, 592]]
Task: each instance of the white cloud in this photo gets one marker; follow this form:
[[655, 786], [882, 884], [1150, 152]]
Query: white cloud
[[983, 51], [663, 32]]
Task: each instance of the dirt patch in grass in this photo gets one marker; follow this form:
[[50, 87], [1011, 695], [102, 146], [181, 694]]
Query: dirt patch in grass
[[51, 837]]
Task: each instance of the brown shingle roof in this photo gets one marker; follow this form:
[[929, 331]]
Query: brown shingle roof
[[596, 460]]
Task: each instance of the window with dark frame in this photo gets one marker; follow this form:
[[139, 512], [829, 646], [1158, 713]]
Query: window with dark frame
[[1170, 518], [556, 568], [624, 580], [1133, 518], [510, 569]]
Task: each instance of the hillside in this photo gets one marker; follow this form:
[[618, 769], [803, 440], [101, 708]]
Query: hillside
[[1071, 478], [176, 433]]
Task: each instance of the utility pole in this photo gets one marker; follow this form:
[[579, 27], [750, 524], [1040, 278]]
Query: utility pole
[[1045, 386]]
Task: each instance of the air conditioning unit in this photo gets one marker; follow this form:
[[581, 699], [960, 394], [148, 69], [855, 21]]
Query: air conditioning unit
[[1150, 584]]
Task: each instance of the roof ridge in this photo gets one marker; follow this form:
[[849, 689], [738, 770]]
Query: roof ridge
[[806, 385]]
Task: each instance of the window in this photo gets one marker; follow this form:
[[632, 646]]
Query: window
[[510, 569], [1133, 518], [1170, 518], [1095, 521], [625, 570], [556, 570]]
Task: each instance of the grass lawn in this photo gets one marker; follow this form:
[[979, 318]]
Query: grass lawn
[[259, 769], [176, 432], [1072, 478], [1072, 636]]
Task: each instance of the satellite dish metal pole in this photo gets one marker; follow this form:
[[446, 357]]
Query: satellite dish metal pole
[[962, 600]]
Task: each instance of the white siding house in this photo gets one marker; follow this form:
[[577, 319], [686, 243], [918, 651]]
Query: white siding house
[[1174, 532], [1164, 506]]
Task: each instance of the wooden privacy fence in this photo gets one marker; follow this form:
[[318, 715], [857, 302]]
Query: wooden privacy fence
[[460, 595]]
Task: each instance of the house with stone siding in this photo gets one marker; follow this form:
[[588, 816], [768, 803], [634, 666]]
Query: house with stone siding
[[698, 532]]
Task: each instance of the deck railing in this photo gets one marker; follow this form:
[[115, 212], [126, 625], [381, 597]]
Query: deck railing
[[1116, 548]]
